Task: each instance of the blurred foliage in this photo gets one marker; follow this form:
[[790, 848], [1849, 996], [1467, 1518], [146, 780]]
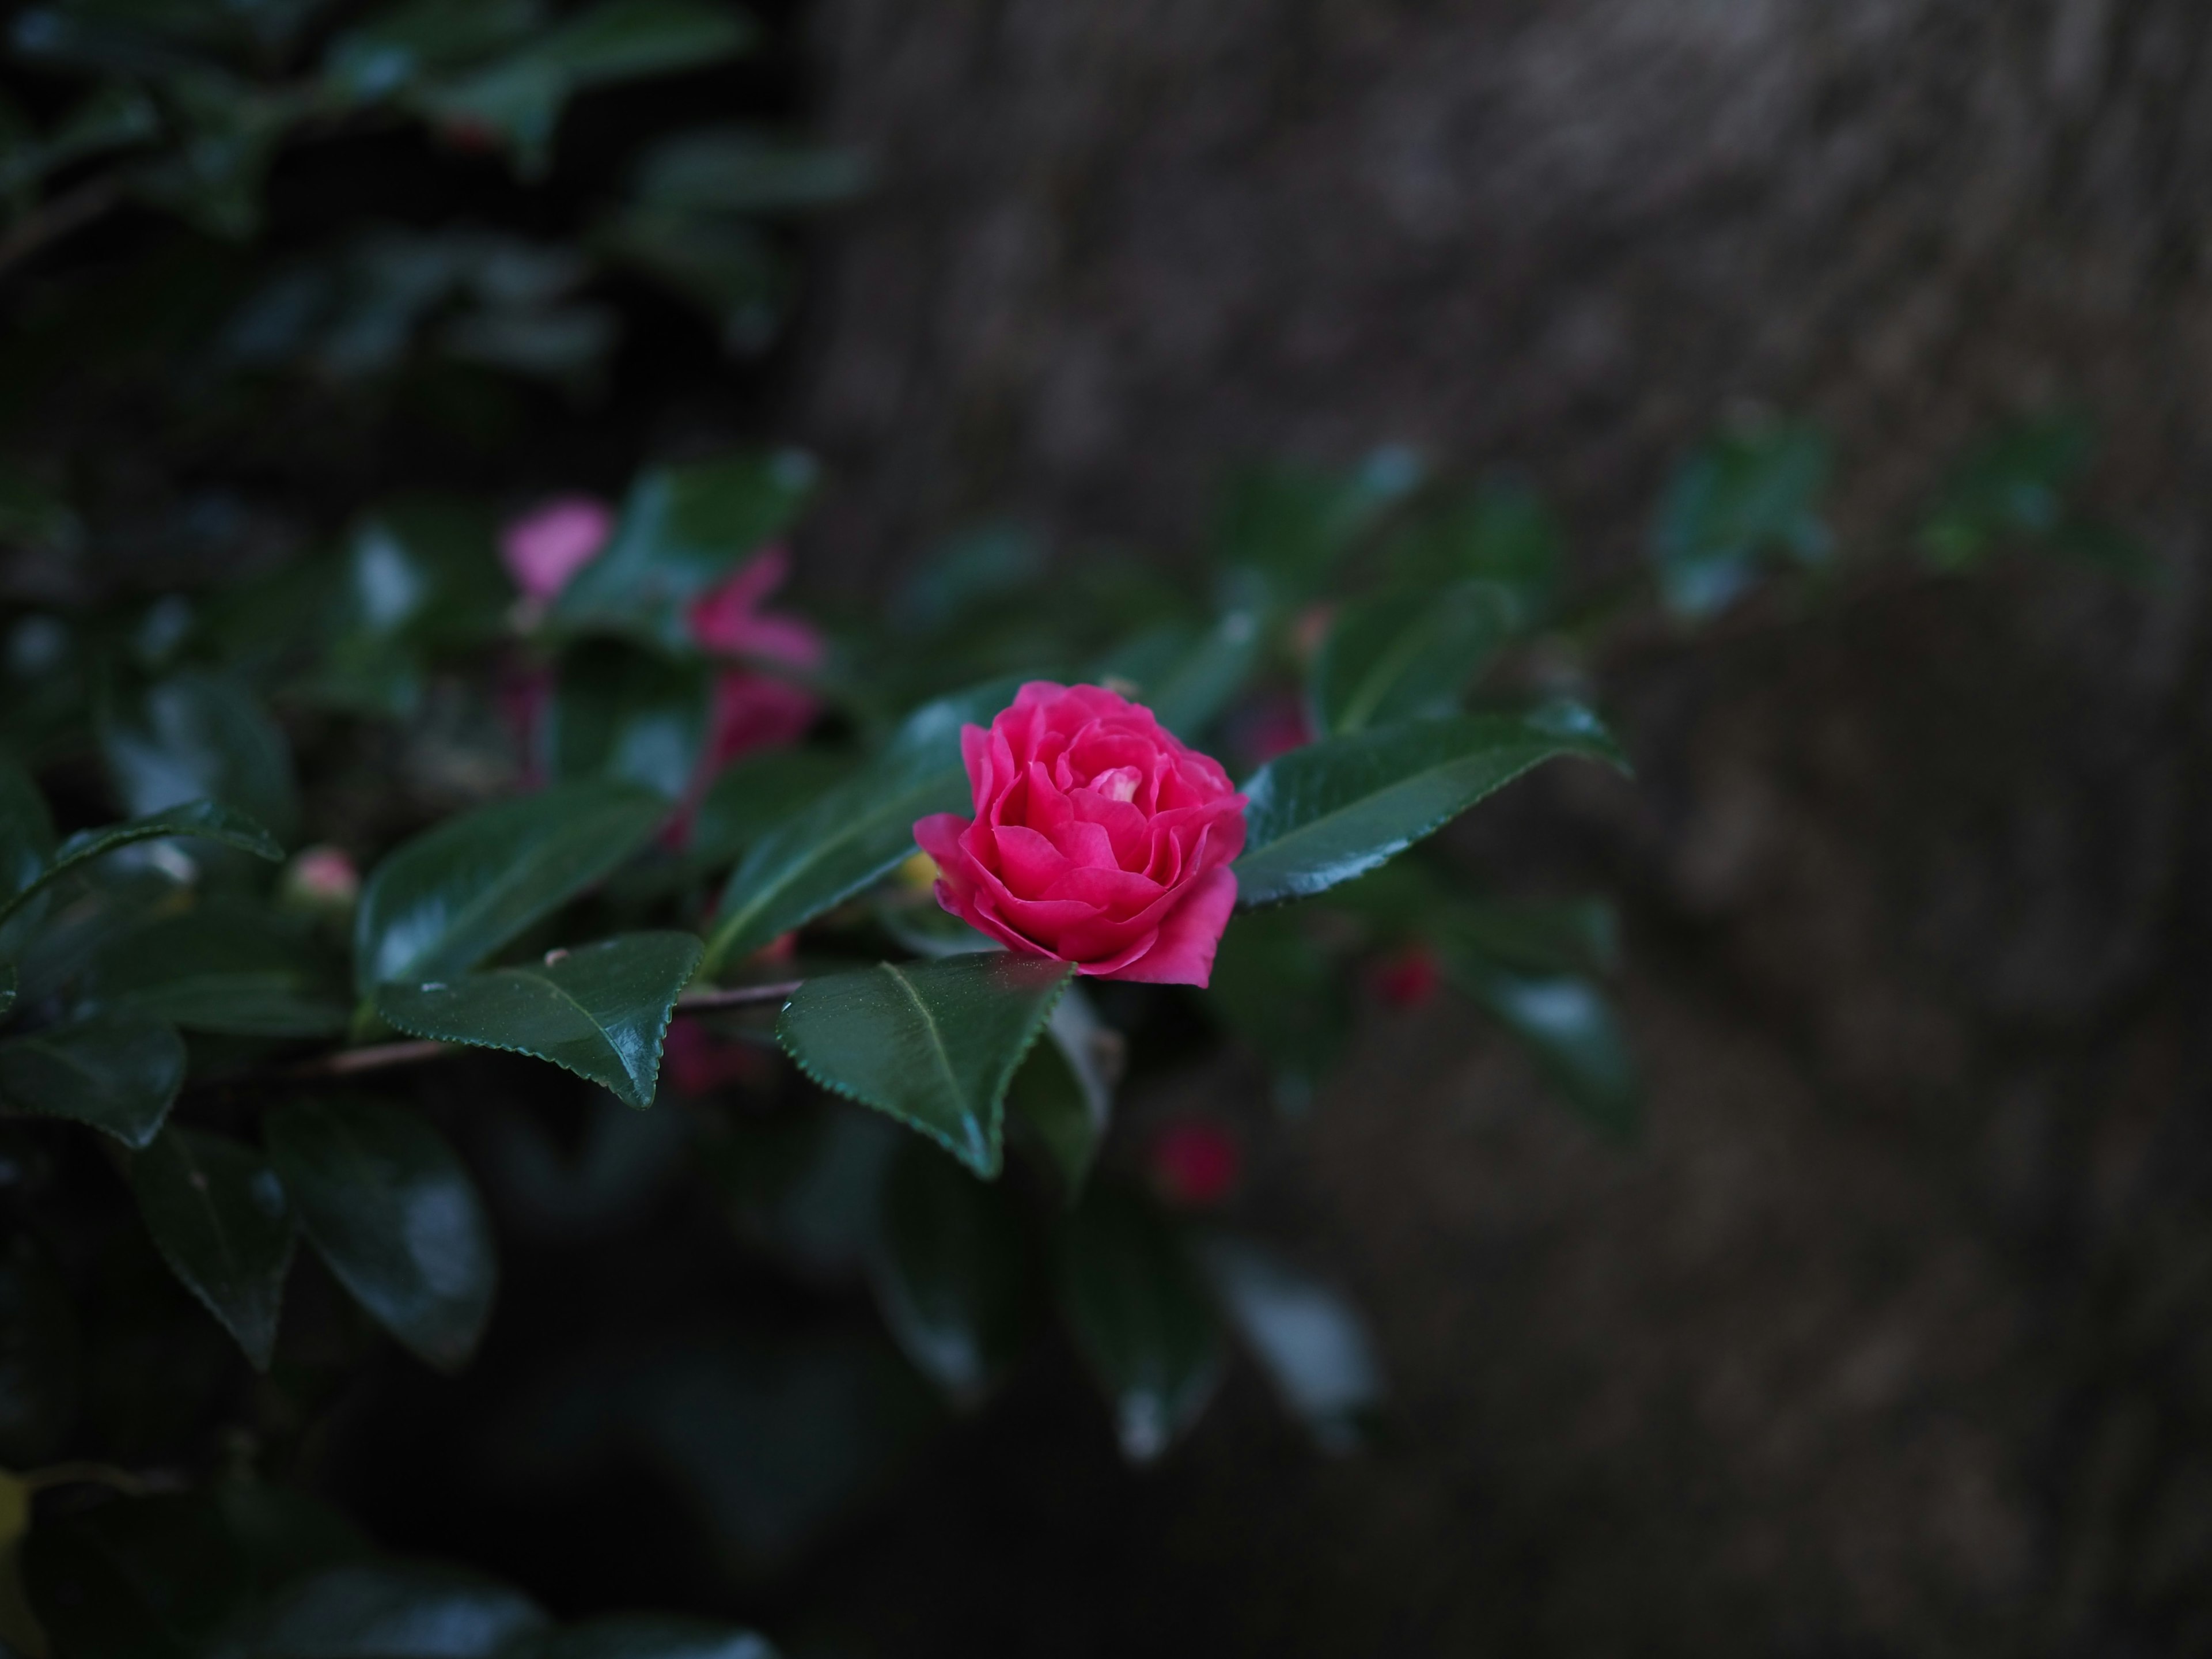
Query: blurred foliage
[[379, 911]]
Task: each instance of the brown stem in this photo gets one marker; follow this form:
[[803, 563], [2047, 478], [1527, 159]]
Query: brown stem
[[382, 1056], [66, 212]]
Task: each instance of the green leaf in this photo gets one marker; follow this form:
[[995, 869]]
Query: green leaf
[[1189, 694], [1568, 1026], [519, 97], [1336, 809], [1408, 654], [135, 1578], [117, 1072], [219, 1217], [39, 1357], [1140, 1318], [600, 1010], [226, 965], [420, 575], [854, 834], [196, 735], [1501, 533], [445, 901], [643, 1635], [2014, 487], [627, 714], [729, 268], [1274, 987], [682, 530], [1064, 1092], [1311, 1342], [397, 47], [934, 1044], [949, 1272], [393, 1211], [284, 1533], [735, 170], [386, 1610], [27, 833], [1744, 496], [7, 989], [750, 798], [200, 820], [1294, 525]]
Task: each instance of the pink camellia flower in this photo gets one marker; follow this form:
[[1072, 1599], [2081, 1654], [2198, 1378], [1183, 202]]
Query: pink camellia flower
[[1098, 838], [1195, 1165], [544, 550], [752, 709]]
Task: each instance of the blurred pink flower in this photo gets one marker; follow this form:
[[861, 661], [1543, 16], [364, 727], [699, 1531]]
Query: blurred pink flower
[[544, 549], [1273, 725], [697, 1062], [728, 621], [322, 879], [754, 710]]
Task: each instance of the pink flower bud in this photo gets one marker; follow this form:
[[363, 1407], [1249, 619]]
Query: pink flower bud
[[544, 549], [1409, 978], [323, 878], [1099, 838]]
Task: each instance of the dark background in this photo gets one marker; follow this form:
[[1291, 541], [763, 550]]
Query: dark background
[[1889, 1338]]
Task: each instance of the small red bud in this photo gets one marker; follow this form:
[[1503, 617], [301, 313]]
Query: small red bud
[[1410, 978], [1195, 1165]]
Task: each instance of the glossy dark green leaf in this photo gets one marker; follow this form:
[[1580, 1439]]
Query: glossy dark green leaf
[[135, 1578], [601, 1010], [118, 1071], [631, 716], [419, 574], [1569, 1027], [226, 965], [934, 1044], [682, 530], [643, 1635], [1140, 1317], [1311, 1342], [385, 1610], [1407, 655], [393, 1211], [200, 820], [519, 97], [199, 734], [1500, 533], [1064, 1092], [1337, 809], [39, 1357], [855, 833], [449, 898], [1744, 496], [7, 989], [949, 1272], [219, 1217]]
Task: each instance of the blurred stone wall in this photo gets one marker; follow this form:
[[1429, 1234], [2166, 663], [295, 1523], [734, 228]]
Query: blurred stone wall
[[1889, 1337]]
